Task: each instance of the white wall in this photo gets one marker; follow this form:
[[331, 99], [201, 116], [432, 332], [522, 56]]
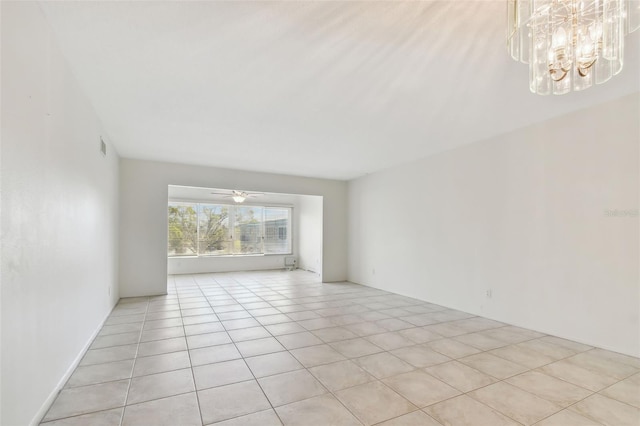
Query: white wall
[[59, 221], [522, 214], [143, 216], [310, 233]]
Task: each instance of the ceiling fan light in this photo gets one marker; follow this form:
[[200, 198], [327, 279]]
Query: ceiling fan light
[[238, 198]]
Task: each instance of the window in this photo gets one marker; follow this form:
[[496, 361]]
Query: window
[[199, 229]]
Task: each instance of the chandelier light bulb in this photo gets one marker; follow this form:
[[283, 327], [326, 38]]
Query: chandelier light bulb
[[570, 44]]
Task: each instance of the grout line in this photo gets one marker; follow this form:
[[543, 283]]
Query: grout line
[[135, 359], [314, 302]]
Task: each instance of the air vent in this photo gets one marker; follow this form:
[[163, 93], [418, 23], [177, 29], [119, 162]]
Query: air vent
[[103, 147]]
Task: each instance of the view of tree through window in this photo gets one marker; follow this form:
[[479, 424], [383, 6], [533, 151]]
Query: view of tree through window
[[198, 229]]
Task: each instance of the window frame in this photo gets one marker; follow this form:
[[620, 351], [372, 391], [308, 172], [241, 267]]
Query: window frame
[[231, 219]]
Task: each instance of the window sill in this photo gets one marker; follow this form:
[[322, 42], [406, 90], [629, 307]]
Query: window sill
[[218, 256]]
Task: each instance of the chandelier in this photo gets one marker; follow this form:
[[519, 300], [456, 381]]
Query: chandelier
[[570, 44]]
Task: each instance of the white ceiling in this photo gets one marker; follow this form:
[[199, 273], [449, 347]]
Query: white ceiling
[[192, 193], [313, 88]]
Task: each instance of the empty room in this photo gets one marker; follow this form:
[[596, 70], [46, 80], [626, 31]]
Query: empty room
[[317, 213]]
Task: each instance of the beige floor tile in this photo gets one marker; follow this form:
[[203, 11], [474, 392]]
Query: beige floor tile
[[298, 340], [204, 328], [176, 410], [515, 403], [416, 418], [509, 336], [115, 340], [86, 399], [199, 319], [389, 341], [259, 347], [304, 315], [273, 319], [627, 391], [555, 390], [477, 324], [211, 354], [420, 356], [365, 329], [290, 387], [161, 363], [527, 358], [221, 373], [101, 418], [465, 411], [481, 341], [383, 365], [316, 324], [546, 348], [334, 334], [317, 355], [446, 329], [374, 402], [460, 376], [236, 324], [123, 319], [343, 320], [250, 333], [420, 388], [111, 354], [420, 320], [120, 328], [435, 353], [340, 375], [151, 316], [162, 333], [162, 323], [420, 335], [493, 365], [285, 328], [270, 364], [355, 348], [156, 386], [608, 411], [158, 347], [567, 418], [227, 402], [531, 334], [394, 324], [616, 357], [602, 366], [262, 418], [452, 348], [582, 377], [573, 346], [321, 410], [100, 373], [210, 339]]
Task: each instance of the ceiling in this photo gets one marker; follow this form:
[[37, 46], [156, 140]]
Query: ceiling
[[313, 88], [193, 194]]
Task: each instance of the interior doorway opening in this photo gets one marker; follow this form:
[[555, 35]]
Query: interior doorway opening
[[231, 230]]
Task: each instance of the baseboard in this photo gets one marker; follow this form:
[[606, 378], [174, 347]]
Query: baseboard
[[56, 390]]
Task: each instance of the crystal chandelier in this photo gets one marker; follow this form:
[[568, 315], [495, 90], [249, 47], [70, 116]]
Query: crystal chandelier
[[570, 44]]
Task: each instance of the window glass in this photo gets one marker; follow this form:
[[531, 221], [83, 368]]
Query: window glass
[[200, 229], [183, 229]]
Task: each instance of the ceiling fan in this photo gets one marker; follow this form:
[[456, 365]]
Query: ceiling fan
[[238, 196]]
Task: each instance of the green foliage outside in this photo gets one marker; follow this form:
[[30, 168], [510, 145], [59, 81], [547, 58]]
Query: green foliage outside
[[183, 229]]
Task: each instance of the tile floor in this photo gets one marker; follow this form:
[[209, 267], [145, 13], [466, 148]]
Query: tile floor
[[272, 348]]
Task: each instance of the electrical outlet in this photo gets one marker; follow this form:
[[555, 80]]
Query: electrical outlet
[[373, 271], [109, 290], [489, 293]]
